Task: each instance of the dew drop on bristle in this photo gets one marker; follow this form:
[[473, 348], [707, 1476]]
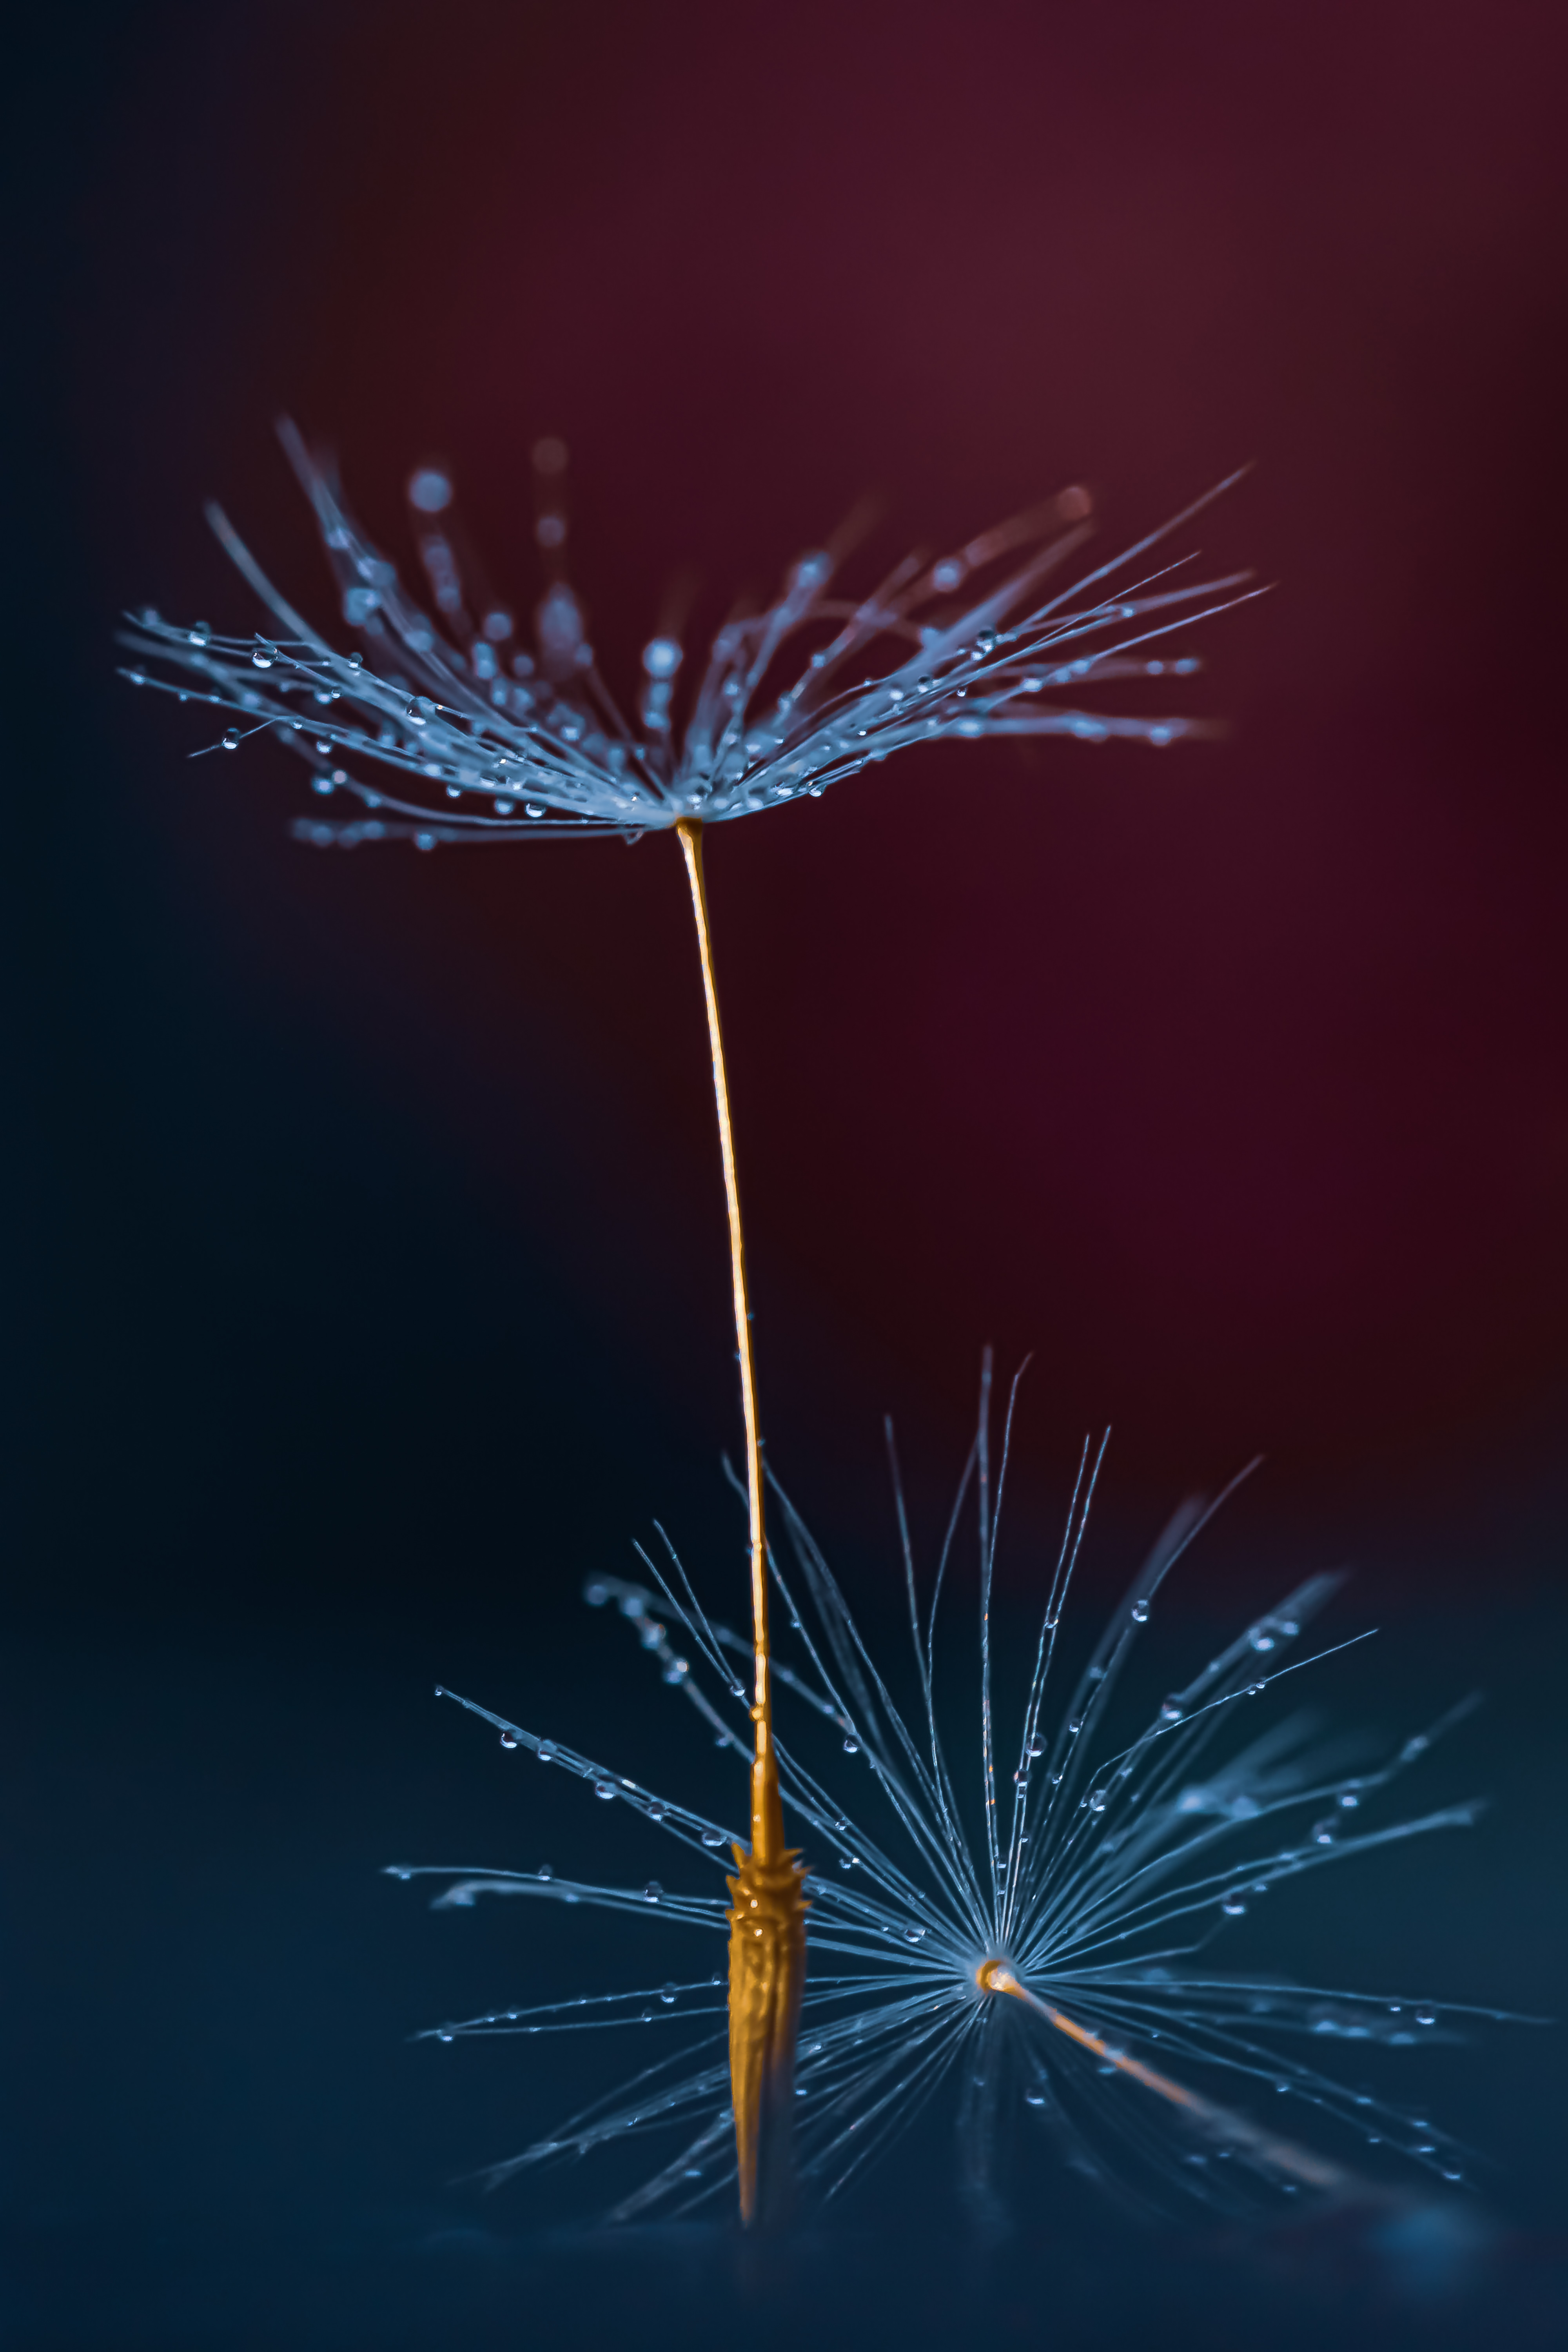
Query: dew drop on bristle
[[231, 740], [509, 1740], [652, 1890], [545, 1751], [1234, 1905], [1140, 1613], [852, 1747], [712, 1837]]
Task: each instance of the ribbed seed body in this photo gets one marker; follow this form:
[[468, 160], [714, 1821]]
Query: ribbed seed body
[[767, 1975]]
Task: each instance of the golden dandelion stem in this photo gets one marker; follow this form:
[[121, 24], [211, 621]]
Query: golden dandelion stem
[[767, 1915]]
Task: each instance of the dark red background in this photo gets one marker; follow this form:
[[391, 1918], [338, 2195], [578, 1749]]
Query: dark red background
[[1229, 1080]]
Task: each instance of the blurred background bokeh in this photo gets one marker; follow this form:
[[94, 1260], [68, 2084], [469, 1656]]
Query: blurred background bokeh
[[365, 1232]]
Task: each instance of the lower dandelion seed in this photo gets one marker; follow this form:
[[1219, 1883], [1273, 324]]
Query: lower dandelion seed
[[1094, 1907]]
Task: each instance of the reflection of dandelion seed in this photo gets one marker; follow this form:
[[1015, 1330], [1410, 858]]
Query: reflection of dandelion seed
[[1058, 1958]]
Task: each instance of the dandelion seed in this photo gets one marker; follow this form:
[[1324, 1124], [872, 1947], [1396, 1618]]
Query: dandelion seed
[[771, 714], [1089, 1927]]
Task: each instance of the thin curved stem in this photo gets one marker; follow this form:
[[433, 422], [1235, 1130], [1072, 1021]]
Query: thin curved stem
[[767, 1915], [767, 1820]]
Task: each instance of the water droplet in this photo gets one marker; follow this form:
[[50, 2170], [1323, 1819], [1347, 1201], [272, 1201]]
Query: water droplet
[[1325, 1832], [545, 1751], [1140, 1613], [1233, 1906], [712, 1837], [444, 2036], [947, 574], [661, 657], [1075, 1727], [1261, 1639], [1170, 1712], [1034, 2098], [414, 716], [1349, 1799], [1095, 1800], [398, 1870], [1425, 2017], [1255, 1689], [985, 642], [847, 1862], [263, 654], [677, 1671], [604, 1789], [509, 1740], [429, 490], [532, 808], [914, 1935], [852, 1747], [201, 634], [544, 1870], [652, 1890], [231, 740]]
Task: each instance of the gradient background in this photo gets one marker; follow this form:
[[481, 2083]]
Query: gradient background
[[366, 1241]]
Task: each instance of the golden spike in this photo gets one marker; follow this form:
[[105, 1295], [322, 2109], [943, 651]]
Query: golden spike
[[767, 1907]]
